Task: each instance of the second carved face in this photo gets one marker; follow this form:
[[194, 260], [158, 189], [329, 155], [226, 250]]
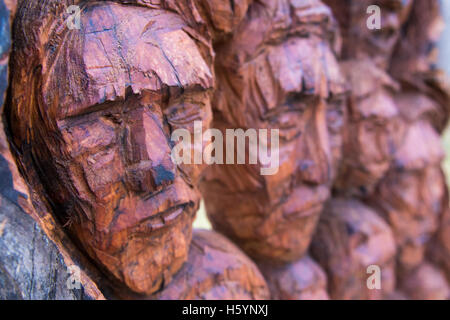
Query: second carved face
[[270, 80]]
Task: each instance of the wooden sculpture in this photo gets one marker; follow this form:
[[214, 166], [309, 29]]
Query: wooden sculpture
[[439, 247], [90, 116], [412, 209], [426, 282], [86, 149], [277, 71], [373, 129], [424, 103], [29, 261], [363, 43]]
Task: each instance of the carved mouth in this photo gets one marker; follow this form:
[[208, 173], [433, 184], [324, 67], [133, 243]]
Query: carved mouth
[[160, 220], [308, 212], [143, 214]]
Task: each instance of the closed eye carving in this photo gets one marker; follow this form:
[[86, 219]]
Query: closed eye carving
[[289, 116]]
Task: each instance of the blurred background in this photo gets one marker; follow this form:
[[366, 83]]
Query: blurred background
[[444, 62], [202, 222]]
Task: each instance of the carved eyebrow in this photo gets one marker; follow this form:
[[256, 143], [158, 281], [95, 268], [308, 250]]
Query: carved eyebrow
[[162, 97], [94, 84], [116, 106], [89, 114], [96, 109]]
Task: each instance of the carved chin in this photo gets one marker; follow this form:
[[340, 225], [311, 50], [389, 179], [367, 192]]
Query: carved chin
[[290, 236], [158, 258], [146, 262]]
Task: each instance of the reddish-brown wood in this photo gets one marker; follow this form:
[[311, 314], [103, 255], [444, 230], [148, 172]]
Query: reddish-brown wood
[[90, 115], [418, 196], [391, 145], [439, 247], [216, 270], [373, 130], [351, 237], [300, 280], [362, 43], [426, 282], [278, 71]]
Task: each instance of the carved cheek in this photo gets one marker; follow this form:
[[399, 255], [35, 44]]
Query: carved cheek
[[313, 154], [83, 138], [372, 142], [403, 194], [92, 146], [103, 170], [412, 204]]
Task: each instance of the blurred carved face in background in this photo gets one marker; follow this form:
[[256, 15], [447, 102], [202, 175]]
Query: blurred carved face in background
[[361, 42], [112, 93], [412, 195], [374, 129], [271, 78]]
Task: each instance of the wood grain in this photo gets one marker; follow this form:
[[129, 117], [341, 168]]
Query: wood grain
[[85, 146]]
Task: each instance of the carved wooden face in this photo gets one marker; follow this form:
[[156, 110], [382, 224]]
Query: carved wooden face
[[284, 87], [412, 195], [372, 141], [113, 94], [411, 202], [373, 131]]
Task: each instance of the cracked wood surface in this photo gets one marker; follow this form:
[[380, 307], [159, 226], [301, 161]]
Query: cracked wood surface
[[359, 125]]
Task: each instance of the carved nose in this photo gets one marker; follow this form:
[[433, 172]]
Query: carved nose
[[313, 152], [146, 176], [315, 171], [146, 153]]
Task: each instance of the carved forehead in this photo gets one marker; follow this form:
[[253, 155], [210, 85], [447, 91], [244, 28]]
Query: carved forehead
[[294, 74], [272, 22], [127, 47], [269, 63], [300, 66], [278, 43]]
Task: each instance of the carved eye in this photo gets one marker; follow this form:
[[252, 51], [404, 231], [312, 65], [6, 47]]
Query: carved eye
[[182, 114], [289, 117], [294, 103], [190, 107], [288, 122], [84, 138]]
